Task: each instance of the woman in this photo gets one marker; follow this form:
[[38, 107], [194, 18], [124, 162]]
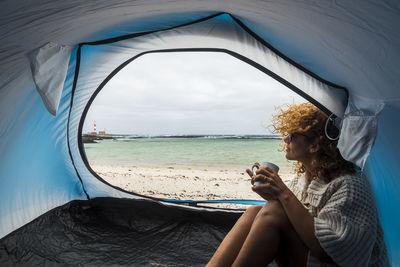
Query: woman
[[327, 217]]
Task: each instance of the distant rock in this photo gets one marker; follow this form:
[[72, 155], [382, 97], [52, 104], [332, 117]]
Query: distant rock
[[92, 138], [86, 138]]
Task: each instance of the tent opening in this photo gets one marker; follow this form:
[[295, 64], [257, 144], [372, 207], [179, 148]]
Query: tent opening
[[94, 64], [185, 126]]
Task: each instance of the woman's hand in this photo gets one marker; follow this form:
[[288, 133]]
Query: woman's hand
[[272, 185]]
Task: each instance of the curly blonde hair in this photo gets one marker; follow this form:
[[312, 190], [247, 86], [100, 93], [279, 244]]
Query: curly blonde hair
[[307, 119]]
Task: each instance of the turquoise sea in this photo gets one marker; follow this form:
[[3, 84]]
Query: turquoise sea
[[237, 152]]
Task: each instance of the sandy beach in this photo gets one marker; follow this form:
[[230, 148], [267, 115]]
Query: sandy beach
[[184, 183]]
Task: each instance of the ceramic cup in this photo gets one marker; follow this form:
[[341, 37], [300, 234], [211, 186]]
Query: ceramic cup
[[256, 166]]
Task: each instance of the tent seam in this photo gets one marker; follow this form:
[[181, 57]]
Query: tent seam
[[78, 58]]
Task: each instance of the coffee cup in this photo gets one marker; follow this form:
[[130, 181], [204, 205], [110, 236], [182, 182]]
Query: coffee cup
[[257, 166]]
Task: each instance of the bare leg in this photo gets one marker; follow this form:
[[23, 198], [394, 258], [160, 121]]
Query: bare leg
[[232, 243], [271, 232]]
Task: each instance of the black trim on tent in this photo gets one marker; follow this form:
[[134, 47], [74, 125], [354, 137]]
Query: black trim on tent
[[78, 59], [244, 27], [115, 71], [238, 56], [280, 54], [133, 35]]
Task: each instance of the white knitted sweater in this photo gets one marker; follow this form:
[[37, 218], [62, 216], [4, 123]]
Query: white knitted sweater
[[345, 219]]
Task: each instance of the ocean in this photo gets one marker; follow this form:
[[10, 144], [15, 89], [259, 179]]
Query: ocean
[[233, 152]]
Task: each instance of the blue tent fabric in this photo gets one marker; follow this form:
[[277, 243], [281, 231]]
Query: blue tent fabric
[[355, 44], [383, 171]]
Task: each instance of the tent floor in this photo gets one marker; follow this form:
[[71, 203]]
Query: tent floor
[[112, 231]]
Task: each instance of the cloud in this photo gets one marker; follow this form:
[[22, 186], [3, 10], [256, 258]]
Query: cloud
[[188, 93]]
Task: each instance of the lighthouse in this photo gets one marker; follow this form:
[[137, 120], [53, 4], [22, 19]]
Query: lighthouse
[[94, 129]]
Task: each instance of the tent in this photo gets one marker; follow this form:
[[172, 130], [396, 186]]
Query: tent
[[343, 56]]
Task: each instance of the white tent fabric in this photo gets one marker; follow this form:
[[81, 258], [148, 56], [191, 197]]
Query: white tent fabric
[[354, 44], [49, 66]]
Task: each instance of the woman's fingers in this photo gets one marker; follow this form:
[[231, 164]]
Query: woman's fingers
[[259, 177], [267, 185], [268, 172], [249, 172], [254, 177], [267, 188], [265, 170], [261, 190]]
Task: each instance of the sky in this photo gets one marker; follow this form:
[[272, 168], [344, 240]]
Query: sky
[[185, 93]]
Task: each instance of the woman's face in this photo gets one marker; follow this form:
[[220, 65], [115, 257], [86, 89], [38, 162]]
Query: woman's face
[[298, 148]]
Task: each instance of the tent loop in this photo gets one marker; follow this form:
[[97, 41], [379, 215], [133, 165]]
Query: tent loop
[[335, 123], [331, 122]]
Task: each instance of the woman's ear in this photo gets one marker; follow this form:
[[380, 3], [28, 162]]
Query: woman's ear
[[314, 147]]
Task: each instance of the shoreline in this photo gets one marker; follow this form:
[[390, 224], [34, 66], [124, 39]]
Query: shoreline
[[184, 183]]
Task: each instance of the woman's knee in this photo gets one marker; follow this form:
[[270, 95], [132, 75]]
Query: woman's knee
[[250, 214], [274, 213], [253, 210]]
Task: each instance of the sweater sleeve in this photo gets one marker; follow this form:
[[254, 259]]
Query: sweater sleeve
[[346, 225]]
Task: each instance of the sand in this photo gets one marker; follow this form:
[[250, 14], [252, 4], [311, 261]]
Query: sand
[[183, 183]]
